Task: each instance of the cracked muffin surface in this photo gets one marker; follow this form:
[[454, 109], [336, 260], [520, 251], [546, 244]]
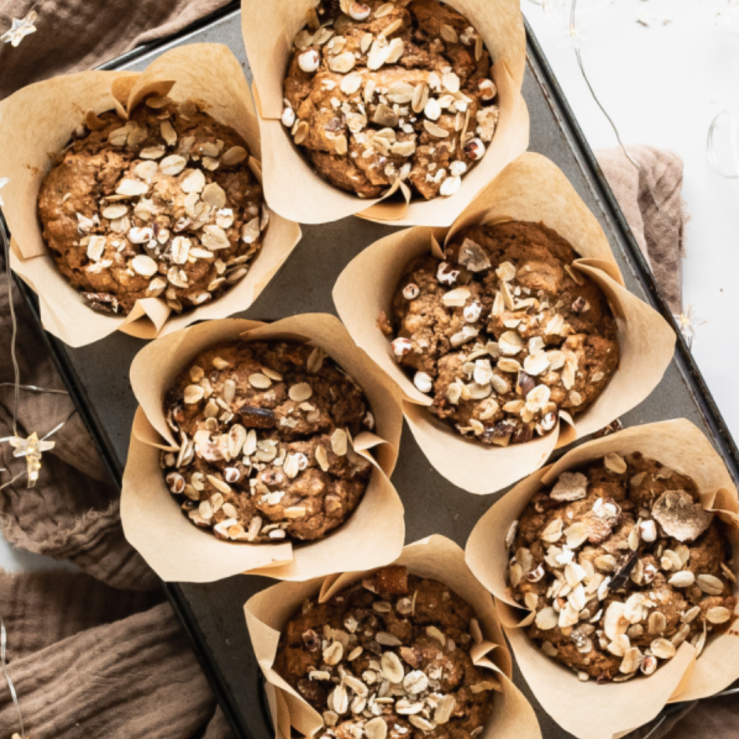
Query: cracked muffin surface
[[265, 432], [383, 91], [620, 564], [388, 657], [161, 205], [504, 333]]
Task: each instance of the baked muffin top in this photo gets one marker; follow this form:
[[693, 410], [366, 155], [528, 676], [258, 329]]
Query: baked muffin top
[[386, 90], [161, 205], [388, 657], [621, 564], [266, 431], [504, 333]]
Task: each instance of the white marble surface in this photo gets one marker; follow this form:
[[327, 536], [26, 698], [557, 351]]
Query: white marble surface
[[663, 84]]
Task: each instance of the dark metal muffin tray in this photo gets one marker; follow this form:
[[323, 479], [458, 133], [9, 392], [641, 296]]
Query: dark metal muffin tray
[[97, 377]]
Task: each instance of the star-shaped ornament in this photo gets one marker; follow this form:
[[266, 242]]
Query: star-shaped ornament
[[21, 28], [31, 448], [687, 323]]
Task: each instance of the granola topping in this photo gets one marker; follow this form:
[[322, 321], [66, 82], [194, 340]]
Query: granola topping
[[384, 91], [162, 205], [613, 591], [492, 335], [388, 657], [265, 432]]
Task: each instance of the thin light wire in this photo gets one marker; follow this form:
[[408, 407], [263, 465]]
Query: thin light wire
[[578, 56], [35, 388], [11, 686], [659, 723]]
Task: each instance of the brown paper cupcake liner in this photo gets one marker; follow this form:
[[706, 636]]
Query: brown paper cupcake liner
[[436, 557], [530, 189], [585, 709], [296, 192], [178, 551], [208, 73]]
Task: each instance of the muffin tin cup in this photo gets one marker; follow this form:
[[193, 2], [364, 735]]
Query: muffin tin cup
[[177, 550], [436, 557], [529, 189], [585, 709], [295, 191], [208, 73]]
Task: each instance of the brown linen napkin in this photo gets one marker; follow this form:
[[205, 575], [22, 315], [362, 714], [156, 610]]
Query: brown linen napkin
[[657, 226], [73, 35], [136, 677], [42, 608]]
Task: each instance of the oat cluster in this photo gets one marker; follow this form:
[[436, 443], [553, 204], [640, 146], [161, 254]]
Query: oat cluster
[[389, 657], [160, 205], [265, 432], [504, 333], [383, 91], [620, 564]]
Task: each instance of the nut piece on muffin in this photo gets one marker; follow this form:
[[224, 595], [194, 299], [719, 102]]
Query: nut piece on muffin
[[161, 205], [388, 657], [386, 90], [266, 433], [504, 334], [621, 564]]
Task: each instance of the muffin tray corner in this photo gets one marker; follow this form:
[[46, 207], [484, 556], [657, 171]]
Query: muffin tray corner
[[97, 378]]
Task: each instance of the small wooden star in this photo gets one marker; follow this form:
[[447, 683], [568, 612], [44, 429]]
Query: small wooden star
[[21, 28], [32, 449]]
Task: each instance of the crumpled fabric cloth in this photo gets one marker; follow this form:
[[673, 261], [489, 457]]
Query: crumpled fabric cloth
[[650, 199], [74, 35], [86, 661]]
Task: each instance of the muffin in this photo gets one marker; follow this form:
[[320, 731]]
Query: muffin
[[620, 564], [161, 205], [388, 657], [504, 334], [265, 432], [383, 91]]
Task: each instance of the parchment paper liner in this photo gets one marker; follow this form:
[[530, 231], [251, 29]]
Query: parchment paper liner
[[588, 710], [530, 189], [178, 551], [295, 191], [436, 557], [36, 123]]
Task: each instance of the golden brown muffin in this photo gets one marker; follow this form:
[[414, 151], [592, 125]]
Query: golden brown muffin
[[386, 90], [503, 334], [162, 205], [388, 657], [621, 564], [266, 433]]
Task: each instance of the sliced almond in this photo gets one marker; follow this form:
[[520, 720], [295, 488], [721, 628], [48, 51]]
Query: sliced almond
[[234, 155], [172, 165], [434, 130], [132, 188], [214, 195], [144, 265]]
